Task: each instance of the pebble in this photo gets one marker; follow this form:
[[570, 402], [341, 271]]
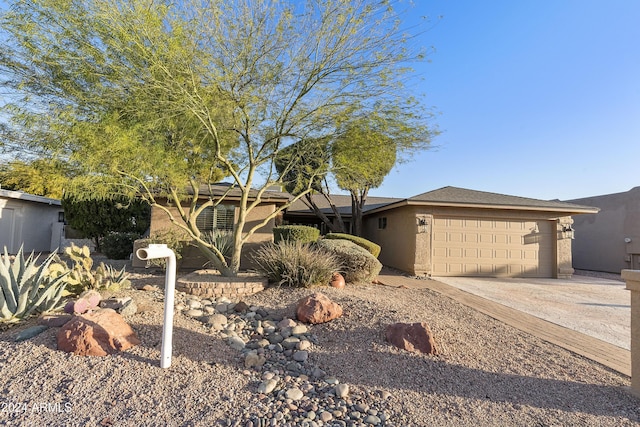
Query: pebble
[[342, 390], [294, 394], [275, 352], [267, 386], [300, 356]]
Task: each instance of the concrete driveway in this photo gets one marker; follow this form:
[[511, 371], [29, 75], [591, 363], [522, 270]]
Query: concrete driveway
[[597, 307]]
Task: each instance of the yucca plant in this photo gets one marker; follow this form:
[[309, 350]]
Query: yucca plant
[[26, 287]]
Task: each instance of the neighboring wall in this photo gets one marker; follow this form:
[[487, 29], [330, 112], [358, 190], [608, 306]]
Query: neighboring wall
[[27, 220], [600, 243]]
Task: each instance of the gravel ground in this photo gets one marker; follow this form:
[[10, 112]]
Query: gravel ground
[[487, 373]]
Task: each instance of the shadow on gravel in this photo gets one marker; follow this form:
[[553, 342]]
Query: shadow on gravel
[[196, 346], [381, 366]]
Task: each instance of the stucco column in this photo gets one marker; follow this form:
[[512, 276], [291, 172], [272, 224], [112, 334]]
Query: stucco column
[[632, 277], [564, 259], [422, 261]]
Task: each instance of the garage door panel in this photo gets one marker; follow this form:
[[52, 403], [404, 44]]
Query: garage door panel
[[488, 247]]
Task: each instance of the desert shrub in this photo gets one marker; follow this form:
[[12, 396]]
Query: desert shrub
[[82, 277], [118, 245], [358, 264], [222, 240], [373, 248], [300, 233], [174, 239], [294, 263], [26, 287]]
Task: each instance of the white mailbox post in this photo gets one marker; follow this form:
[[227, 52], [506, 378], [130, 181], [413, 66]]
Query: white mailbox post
[[157, 252]]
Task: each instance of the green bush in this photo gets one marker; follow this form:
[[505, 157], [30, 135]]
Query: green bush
[[373, 248], [26, 288], [358, 264], [118, 245], [297, 264], [300, 233], [174, 239]]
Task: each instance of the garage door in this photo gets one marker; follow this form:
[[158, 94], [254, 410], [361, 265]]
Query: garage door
[[492, 247]]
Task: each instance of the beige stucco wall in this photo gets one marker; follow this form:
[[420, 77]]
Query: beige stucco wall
[[397, 240], [407, 246], [599, 243], [192, 258]]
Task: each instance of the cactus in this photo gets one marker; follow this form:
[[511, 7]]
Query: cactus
[[26, 288], [87, 301], [82, 278]]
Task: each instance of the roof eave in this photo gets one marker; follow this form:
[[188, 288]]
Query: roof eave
[[570, 210]]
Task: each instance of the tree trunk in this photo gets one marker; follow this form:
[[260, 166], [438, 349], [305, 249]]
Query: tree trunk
[[339, 228]]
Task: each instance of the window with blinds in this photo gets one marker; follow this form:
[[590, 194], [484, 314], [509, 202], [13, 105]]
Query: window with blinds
[[221, 217]]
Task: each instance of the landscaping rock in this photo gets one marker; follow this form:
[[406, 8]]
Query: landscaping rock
[[125, 306], [98, 333], [31, 332], [317, 308], [416, 337], [54, 320]]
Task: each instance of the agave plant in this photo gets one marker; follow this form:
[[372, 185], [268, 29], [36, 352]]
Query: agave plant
[[26, 287]]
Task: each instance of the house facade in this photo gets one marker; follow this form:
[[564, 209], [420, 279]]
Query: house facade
[[34, 222], [610, 240], [458, 232], [221, 217]]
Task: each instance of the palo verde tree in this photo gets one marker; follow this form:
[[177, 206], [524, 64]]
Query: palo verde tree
[[163, 98], [39, 176]]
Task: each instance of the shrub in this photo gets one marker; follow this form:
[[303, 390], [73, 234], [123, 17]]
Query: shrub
[[26, 288], [297, 264], [174, 239], [358, 264], [81, 277], [300, 233], [222, 240], [118, 245], [373, 248]]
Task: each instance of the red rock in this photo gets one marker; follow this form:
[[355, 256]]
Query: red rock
[[416, 337], [337, 280], [317, 308], [98, 333]]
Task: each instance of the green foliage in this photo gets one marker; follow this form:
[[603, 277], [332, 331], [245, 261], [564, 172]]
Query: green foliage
[[373, 248], [358, 264], [304, 164], [81, 277], [296, 264], [221, 240], [174, 239], [95, 219], [26, 288], [117, 245], [362, 157], [300, 233], [42, 177]]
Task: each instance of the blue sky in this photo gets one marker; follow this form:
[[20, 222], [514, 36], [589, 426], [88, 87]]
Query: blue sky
[[534, 98]]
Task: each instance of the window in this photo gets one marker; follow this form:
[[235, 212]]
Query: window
[[382, 223], [221, 217]]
